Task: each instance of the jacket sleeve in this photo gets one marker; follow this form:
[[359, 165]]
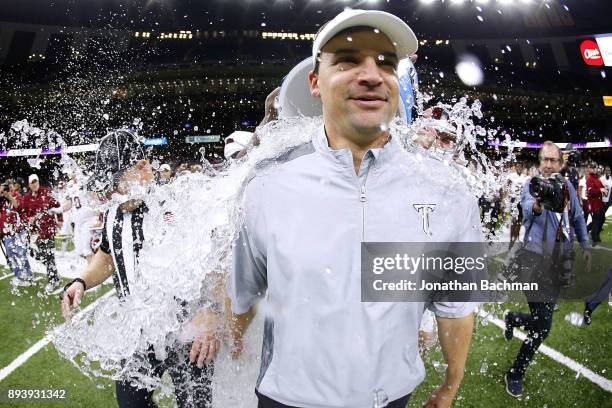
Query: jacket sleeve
[[577, 219], [24, 208], [527, 202], [248, 281], [594, 187], [471, 232]]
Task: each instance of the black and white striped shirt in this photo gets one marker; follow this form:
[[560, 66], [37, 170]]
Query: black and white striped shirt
[[123, 238]]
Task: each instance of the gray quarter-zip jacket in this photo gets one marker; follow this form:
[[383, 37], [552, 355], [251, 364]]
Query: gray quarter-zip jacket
[[306, 217]]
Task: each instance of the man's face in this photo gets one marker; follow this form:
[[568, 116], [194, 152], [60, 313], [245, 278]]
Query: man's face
[[518, 168], [34, 186], [607, 172], [165, 174], [550, 161], [357, 82], [61, 185]]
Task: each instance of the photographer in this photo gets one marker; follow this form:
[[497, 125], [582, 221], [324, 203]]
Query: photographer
[[571, 160], [14, 236], [552, 217]]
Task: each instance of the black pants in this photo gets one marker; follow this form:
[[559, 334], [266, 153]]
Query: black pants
[[600, 294], [265, 402], [538, 324], [192, 385], [44, 251], [598, 221]]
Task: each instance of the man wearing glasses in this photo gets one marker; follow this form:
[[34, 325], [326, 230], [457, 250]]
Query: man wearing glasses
[[549, 236], [39, 208]]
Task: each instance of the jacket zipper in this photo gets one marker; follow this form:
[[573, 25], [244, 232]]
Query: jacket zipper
[[363, 199]]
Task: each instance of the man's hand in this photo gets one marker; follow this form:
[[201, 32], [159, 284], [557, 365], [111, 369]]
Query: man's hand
[[72, 299], [206, 343], [588, 260], [442, 397], [537, 208]]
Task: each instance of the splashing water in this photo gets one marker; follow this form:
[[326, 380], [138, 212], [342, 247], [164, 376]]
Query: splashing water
[[178, 256], [381, 399], [174, 262]]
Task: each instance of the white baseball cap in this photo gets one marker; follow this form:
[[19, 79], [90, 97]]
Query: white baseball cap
[[236, 142], [165, 166], [32, 178], [398, 32]]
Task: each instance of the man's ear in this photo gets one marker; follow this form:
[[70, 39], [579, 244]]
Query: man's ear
[[313, 82]]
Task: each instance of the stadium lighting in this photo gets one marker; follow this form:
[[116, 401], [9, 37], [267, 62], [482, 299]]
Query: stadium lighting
[[457, 1], [427, 1], [482, 1], [505, 2]]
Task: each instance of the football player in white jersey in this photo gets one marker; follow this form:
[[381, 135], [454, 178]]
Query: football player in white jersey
[[65, 231], [516, 180], [81, 204]]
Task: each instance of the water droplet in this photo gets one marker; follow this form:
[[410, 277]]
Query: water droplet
[[480, 18], [381, 399], [349, 38], [377, 31], [484, 367], [105, 116], [439, 366]]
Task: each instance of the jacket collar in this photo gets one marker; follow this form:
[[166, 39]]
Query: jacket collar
[[344, 156]]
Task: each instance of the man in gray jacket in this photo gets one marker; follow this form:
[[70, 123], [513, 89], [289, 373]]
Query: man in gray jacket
[[307, 215]]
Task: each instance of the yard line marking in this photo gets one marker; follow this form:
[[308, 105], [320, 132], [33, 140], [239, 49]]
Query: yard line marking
[[6, 276], [561, 358], [21, 359]]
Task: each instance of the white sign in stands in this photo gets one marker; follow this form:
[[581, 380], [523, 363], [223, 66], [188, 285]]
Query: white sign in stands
[[203, 139]]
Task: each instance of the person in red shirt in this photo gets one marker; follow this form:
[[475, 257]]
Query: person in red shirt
[[39, 208], [14, 236], [595, 193]]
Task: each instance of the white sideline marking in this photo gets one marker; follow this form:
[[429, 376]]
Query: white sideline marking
[[21, 359], [6, 276], [561, 358]]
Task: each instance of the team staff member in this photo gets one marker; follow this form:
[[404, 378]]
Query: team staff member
[[300, 242], [121, 155], [39, 208]]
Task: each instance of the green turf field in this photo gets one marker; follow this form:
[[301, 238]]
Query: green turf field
[[25, 317]]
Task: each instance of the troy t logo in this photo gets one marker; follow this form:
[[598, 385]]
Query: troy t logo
[[425, 210]]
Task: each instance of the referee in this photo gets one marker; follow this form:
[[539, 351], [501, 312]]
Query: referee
[[120, 165]]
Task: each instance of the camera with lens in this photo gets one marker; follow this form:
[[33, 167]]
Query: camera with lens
[[549, 191]]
